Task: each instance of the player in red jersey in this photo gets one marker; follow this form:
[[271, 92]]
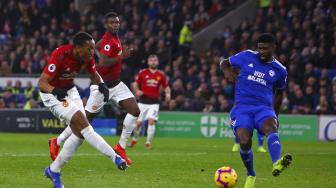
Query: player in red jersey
[[147, 88], [111, 54], [60, 96]]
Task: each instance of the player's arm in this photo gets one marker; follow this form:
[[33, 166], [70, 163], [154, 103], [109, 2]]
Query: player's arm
[[43, 83], [137, 89], [108, 61], [230, 73], [98, 44], [96, 78], [277, 101], [224, 63], [45, 87], [167, 93]]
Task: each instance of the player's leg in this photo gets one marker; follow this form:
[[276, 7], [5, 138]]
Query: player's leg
[[136, 134], [82, 129], [269, 127], [125, 98], [235, 147], [242, 124], [261, 143], [73, 114], [55, 143], [94, 103], [130, 120], [244, 136], [152, 117], [150, 133]]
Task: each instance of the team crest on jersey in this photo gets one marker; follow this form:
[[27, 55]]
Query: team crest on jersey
[[271, 73], [65, 103], [107, 47], [158, 78], [94, 107], [51, 67]]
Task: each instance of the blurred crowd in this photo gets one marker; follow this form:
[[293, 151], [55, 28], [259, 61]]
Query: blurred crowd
[[305, 31]]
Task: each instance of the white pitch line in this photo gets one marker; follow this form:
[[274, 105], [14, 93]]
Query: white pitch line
[[98, 154]]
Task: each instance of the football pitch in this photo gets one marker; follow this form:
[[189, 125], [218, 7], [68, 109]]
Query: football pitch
[[171, 163]]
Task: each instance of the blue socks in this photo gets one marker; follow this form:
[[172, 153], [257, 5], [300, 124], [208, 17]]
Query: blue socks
[[274, 146], [247, 157], [260, 140], [236, 140]]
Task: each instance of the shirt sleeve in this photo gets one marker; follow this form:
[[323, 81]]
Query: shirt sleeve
[[54, 64], [91, 67], [281, 83], [138, 78], [106, 48], [238, 60], [164, 81]]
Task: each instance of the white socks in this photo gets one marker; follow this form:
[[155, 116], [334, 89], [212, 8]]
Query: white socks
[[129, 125], [69, 148], [136, 133], [64, 135], [73, 142], [150, 133], [98, 142]]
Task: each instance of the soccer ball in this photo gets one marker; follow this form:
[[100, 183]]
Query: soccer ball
[[226, 177]]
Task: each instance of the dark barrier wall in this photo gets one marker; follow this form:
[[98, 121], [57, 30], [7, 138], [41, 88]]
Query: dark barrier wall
[[42, 121]]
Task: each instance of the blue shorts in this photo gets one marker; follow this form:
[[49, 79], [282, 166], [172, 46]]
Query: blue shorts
[[250, 117]]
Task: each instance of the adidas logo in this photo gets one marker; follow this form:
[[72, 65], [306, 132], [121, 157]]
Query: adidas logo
[[250, 65], [276, 142]]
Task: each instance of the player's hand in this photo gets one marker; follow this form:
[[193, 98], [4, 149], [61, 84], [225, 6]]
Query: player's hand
[[138, 93], [59, 93], [167, 97], [127, 52], [104, 90]]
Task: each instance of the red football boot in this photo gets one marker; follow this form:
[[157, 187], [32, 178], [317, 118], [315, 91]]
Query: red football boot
[[53, 148], [148, 146], [122, 152], [132, 144]]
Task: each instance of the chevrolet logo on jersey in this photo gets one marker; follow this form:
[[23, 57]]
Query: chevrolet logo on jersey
[[68, 75], [152, 82]]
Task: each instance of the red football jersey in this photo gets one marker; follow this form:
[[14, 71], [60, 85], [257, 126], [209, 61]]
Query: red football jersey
[[62, 67], [150, 82], [111, 47]]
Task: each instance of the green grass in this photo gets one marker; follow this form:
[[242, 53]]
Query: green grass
[[171, 163]]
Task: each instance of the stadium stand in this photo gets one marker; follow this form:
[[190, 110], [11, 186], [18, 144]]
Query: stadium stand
[[304, 30]]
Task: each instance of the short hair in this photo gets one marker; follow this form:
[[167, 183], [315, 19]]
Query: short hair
[[80, 38], [266, 38], [110, 15], [152, 56]]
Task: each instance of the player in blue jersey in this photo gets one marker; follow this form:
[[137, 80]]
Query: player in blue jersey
[[258, 97]]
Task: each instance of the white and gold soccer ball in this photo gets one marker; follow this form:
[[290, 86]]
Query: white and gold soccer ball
[[226, 177]]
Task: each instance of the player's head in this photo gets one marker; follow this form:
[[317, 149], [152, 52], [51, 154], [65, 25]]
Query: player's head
[[83, 46], [112, 22], [153, 61], [266, 45]]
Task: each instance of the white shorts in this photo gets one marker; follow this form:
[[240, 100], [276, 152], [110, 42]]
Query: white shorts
[[96, 99], [148, 111], [64, 110]]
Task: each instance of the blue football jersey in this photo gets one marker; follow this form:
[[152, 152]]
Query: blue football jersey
[[257, 80]]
